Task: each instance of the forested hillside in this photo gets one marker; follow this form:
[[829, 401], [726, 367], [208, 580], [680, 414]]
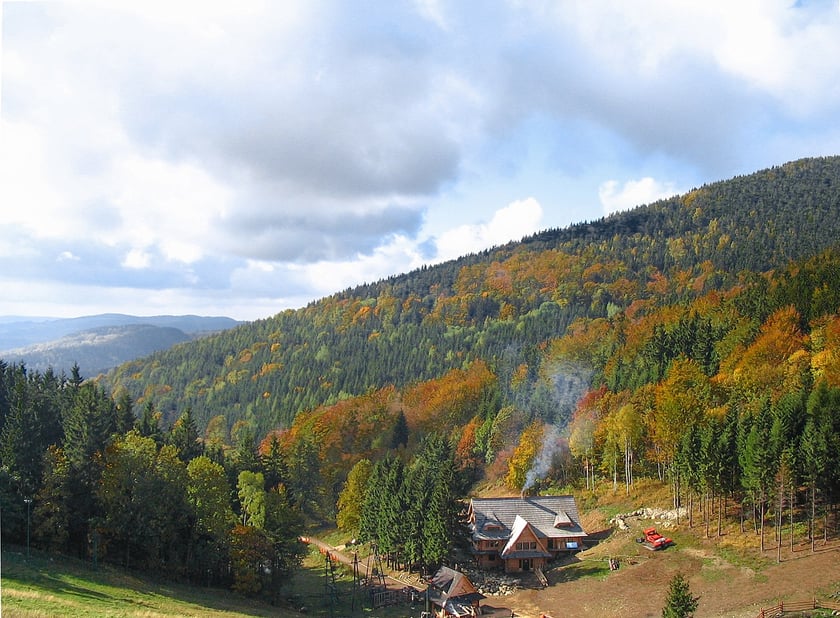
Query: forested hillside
[[500, 306], [690, 348]]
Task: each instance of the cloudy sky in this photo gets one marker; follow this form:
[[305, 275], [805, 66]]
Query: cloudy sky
[[241, 158]]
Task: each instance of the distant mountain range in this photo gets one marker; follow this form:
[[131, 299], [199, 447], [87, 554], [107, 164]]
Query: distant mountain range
[[98, 343]]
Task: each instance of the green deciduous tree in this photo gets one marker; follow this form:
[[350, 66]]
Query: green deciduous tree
[[349, 508], [51, 516], [251, 492], [143, 493], [208, 495]]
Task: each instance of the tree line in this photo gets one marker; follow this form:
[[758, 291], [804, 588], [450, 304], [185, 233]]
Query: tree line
[[82, 474]]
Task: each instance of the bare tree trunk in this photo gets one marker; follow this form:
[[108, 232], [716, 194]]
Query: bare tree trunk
[[790, 507], [677, 502], [615, 470], [781, 511], [690, 509], [761, 525], [813, 516], [628, 465]]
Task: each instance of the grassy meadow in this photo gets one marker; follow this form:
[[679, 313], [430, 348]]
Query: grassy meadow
[[47, 586]]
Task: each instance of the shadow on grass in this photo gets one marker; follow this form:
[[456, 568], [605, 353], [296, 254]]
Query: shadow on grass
[[71, 587], [574, 569], [597, 537], [111, 591]]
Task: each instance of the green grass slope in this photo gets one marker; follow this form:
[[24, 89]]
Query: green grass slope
[[57, 586]]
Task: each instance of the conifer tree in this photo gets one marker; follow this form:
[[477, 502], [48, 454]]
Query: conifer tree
[[399, 436], [679, 603], [184, 436], [125, 412], [273, 461], [759, 463], [372, 503], [148, 425]]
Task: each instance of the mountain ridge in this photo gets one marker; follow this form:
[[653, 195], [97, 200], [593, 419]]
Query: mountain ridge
[[97, 343], [501, 305]]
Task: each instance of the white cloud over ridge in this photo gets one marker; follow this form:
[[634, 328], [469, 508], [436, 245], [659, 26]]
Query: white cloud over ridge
[[273, 152], [513, 222], [633, 193]]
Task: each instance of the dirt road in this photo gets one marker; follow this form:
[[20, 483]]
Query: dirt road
[[364, 567]]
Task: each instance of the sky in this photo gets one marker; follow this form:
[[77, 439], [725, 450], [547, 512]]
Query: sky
[[242, 158]]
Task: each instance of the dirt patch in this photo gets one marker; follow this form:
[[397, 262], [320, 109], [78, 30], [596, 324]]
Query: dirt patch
[[586, 586]]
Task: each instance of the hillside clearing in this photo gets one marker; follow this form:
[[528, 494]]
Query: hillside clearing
[[731, 581]]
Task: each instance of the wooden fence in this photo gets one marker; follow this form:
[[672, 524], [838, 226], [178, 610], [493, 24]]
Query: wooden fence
[[800, 606]]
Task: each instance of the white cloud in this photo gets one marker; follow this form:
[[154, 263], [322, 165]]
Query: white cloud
[[513, 222], [783, 48], [68, 256], [175, 206], [284, 149], [433, 11], [633, 193], [137, 259]]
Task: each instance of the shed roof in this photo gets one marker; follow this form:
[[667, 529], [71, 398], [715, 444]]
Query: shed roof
[[453, 591], [452, 584]]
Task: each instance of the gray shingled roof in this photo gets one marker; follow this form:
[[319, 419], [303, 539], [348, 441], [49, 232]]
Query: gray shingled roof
[[454, 591], [550, 516]]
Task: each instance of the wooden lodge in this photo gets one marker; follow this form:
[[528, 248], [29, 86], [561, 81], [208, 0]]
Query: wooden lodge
[[523, 533]]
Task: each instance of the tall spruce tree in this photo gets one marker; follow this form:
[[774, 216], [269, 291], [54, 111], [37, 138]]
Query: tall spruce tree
[[759, 463], [88, 427], [184, 436]]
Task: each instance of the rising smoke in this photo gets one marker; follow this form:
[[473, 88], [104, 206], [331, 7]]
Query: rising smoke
[[568, 384]]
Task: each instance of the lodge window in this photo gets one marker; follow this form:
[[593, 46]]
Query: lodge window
[[526, 545]]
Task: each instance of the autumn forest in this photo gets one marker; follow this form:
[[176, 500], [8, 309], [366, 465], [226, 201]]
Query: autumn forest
[[695, 341]]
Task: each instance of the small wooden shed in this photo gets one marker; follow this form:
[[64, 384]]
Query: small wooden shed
[[452, 594]]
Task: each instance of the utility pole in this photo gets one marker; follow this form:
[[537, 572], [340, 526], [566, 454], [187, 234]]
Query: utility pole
[[28, 502]]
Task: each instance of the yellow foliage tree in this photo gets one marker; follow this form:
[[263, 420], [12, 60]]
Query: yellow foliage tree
[[522, 459], [681, 401]]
